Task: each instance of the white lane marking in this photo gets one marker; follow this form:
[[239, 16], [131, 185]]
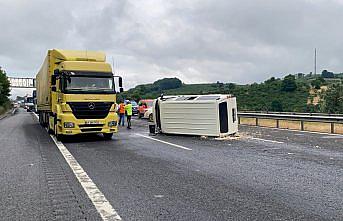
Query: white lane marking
[[272, 141], [165, 142], [300, 131], [98, 199]]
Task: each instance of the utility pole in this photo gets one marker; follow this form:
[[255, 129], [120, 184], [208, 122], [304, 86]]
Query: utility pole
[[315, 61], [114, 70]]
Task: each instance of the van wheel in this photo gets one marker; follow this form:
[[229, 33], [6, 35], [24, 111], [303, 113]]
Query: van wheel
[[108, 136], [151, 117]]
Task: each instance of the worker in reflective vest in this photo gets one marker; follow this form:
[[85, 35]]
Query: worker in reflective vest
[[121, 113], [128, 108]]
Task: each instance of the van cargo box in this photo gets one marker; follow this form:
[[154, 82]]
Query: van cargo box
[[203, 115]]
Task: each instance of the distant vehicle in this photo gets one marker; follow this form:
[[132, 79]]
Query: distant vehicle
[[28, 104], [149, 114], [134, 106], [34, 95], [143, 106], [16, 105]]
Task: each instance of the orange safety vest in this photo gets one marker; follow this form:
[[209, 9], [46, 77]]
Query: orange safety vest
[[122, 108]]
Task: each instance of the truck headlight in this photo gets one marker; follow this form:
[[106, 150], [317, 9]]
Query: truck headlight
[[112, 123], [69, 125]]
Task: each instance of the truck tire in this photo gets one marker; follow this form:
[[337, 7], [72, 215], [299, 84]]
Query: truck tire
[[58, 136], [50, 131], [151, 117], [40, 118], [108, 136]]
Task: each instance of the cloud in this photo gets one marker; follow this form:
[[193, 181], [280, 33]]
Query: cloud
[[196, 40]]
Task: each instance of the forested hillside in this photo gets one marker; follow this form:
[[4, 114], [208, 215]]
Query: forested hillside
[[287, 94], [4, 91]]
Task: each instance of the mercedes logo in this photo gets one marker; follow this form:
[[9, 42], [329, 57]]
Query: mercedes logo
[[91, 105]]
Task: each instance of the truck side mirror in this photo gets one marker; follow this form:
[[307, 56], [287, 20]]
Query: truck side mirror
[[121, 90], [53, 80], [120, 82]]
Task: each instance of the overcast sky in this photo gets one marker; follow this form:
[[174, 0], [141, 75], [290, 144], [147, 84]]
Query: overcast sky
[[241, 41]]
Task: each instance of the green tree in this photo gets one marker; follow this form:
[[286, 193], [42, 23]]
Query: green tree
[[276, 106], [289, 84], [167, 83], [270, 80], [333, 99], [316, 83], [4, 88]]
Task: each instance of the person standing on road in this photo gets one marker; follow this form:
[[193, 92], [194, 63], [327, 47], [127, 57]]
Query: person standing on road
[[128, 108], [121, 113]]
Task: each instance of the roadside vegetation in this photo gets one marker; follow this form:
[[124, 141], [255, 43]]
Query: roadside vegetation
[[310, 93], [4, 92]]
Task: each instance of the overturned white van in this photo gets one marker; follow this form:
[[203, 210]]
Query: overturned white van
[[204, 115]]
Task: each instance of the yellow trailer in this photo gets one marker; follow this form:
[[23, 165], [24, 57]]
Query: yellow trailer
[[76, 93]]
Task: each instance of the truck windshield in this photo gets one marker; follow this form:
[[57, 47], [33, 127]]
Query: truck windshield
[[88, 84]]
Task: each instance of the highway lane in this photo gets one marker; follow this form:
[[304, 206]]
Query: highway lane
[[35, 182], [265, 174], [242, 179]]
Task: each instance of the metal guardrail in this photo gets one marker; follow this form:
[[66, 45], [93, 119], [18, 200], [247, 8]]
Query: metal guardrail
[[293, 113], [332, 119], [317, 118]]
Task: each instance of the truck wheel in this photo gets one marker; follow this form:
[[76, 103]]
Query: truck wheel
[[108, 136], [50, 131], [151, 117], [57, 135], [40, 118]]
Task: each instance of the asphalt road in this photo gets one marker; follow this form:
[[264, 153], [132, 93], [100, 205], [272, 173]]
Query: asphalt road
[[264, 174]]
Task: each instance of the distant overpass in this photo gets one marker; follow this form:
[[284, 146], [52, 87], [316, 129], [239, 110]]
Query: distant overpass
[[20, 82]]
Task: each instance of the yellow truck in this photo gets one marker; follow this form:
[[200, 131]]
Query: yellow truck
[[76, 93]]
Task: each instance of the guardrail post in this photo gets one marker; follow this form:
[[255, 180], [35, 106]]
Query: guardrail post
[[332, 127], [239, 120], [302, 125], [256, 121], [277, 123]]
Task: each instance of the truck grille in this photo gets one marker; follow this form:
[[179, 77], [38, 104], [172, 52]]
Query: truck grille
[[91, 129], [90, 110]]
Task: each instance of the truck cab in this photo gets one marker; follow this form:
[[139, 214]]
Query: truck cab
[[28, 103], [76, 94]]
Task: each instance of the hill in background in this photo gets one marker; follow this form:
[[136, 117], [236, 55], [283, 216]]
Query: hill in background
[[293, 93]]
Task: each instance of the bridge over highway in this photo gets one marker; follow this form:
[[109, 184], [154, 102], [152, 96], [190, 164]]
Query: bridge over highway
[[21, 82], [265, 174]]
